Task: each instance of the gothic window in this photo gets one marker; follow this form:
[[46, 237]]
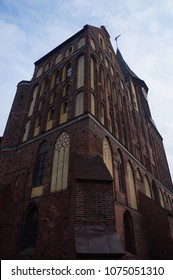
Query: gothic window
[[120, 168], [138, 175], [134, 96], [92, 73], [40, 105], [107, 156], [68, 71], [40, 164], [37, 125], [101, 75], [33, 101], [66, 89], [131, 187], [26, 132], [81, 43], [155, 192], [129, 233], [44, 87], [39, 72], [161, 198], [49, 122], [93, 44], [93, 104], [69, 50], [80, 72], [48, 65], [147, 187], [55, 79], [101, 113], [58, 58], [64, 112], [30, 228], [79, 104], [60, 163], [101, 41]]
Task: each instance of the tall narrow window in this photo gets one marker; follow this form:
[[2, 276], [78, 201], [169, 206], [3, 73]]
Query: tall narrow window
[[79, 104], [120, 167], [93, 104], [107, 156], [37, 125], [129, 234], [30, 228], [55, 79], [147, 187], [26, 132], [131, 187], [161, 198], [68, 71], [44, 87], [64, 112], [40, 164], [155, 192], [60, 163], [49, 122], [92, 73], [66, 89], [101, 113], [33, 101], [80, 72], [81, 43]]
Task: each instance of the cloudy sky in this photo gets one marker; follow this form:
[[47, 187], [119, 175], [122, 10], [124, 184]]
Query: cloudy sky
[[31, 28]]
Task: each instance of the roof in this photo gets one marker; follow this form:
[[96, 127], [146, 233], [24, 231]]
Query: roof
[[97, 240], [92, 169]]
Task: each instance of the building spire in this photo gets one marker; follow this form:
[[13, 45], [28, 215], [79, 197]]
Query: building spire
[[116, 39]]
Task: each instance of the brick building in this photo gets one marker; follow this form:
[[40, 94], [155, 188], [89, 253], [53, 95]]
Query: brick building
[[83, 171]]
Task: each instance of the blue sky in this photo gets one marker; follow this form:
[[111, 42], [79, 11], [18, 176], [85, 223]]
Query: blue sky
[[31, 28]]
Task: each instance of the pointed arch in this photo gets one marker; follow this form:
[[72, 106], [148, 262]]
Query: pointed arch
[[26, 131], [147, 186], [155, 192], [107, 156], [64, 112], [129, 236], [80, 72], [120, 167], [30, 227], [40, 164], [60, 163], [161, 197], [131, 187], [49, 123], [33, 101], [67, 71], [101, 113], [79, 108]]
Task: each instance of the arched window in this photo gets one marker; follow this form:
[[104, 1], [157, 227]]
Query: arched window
[[49, 122], [58, 58], [67, 71], [81, 43], [129, 234], [80, 72], [120, 167], [69, 50], [26, 132], [101, 113], [60, 163], [79, 104], [44, 87], [155, 192], [147, 187], [64, 112], [161, 198], [107, 156], [131, 187], [48, 65], [138, 175], [101, 75], [92, 73], [92, 44], [40, 164], [30, 228], [33, 101], [39, 72], [37, 125], [55, 79], [93, 104], [134, 96], [66, 89]]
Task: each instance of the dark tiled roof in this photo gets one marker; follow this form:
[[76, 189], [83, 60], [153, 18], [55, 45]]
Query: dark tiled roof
[[124, 67], [91, 168]]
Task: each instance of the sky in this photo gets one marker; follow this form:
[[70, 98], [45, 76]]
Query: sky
[[31, 28]]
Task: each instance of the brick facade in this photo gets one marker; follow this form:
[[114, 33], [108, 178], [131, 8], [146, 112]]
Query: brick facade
[[96, 201]]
